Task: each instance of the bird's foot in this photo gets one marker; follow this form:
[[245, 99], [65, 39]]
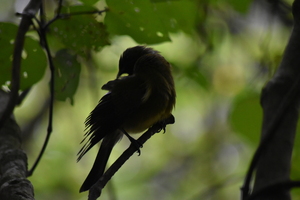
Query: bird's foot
[[134, 142], [162, 124]]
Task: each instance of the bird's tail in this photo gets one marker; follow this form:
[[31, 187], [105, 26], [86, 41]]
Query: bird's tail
[[98, 168]]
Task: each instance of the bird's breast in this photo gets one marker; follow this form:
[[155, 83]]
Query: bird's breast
[[155, 108]]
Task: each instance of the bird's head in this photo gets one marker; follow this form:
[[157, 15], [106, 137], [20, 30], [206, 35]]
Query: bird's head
[[130, 56]]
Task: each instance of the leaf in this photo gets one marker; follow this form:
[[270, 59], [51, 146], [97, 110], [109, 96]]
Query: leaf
[[246, 116], [240, 6], [195, 74], [80, 33], [33, 63], [7, 36], [177, 15], [67, 71], [138, 19], [89, 2], [150, 21]]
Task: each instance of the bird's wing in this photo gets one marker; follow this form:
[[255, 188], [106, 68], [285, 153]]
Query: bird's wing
[[127, 95], [100, 122], [113, 108]]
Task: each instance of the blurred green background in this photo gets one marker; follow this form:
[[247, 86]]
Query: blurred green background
[[222, 53]]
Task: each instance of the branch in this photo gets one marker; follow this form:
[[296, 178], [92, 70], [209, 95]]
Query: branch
[[63, 16], [282, 186], [13, 168], [44, 41], [280, 101], [28, 13], [96, 189]]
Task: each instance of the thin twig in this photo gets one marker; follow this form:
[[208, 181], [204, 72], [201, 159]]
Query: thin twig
[[22, 96], [44, 41], [62, 16], [46, 25]]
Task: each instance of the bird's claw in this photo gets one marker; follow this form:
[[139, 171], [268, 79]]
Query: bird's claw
[[134, 142], [162, 124], [137, 145]]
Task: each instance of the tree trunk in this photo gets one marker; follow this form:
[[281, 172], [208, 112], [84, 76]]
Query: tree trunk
[[13, 160], [281, 92]]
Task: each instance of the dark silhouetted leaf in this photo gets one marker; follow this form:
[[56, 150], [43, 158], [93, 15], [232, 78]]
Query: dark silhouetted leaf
[[67, 70]]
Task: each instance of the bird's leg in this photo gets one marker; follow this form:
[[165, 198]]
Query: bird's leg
[[133, 141]]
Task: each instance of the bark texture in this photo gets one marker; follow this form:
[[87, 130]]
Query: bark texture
[[280, 99], [13, 160]]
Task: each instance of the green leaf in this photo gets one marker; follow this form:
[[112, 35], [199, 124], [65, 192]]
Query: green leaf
[[246, 116], [7, 36], [195, 74], [34, 60], [240, 6], [177, 15], [33, 65], [136, 18], [80, 33], [67, 71]]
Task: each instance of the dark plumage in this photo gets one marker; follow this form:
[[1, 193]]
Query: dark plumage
[[134, 103]]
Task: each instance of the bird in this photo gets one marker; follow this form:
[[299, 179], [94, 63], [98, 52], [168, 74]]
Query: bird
[[134, 103], [127, 61]]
